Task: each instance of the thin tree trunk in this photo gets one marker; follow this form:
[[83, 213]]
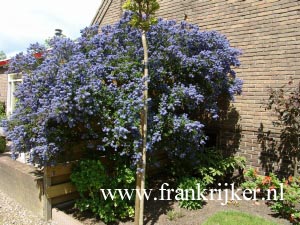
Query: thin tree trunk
[[296, 162], [296, 158], [140, 186], [137, 200]]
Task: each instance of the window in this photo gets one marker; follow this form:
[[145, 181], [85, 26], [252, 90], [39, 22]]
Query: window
[[13, 81]]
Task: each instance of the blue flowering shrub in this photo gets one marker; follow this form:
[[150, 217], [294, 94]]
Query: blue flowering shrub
[[90, 91]]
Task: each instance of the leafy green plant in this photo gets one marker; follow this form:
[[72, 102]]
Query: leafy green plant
[[190, 187], [2, 112], [260, 183], [2, 144], [289, 206], [251, 179], [173, 215], [212, 166], [89, 176]]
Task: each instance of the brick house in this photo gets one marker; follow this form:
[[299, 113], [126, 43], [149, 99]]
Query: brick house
[[3, 81], [8, 84], [268, 34]]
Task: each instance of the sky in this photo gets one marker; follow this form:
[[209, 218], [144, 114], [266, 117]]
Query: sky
[[29, 21]]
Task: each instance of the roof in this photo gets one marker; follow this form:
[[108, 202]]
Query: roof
[[5, 62], [101, 12]]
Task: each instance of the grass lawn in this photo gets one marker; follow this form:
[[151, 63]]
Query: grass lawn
[[236, 218]]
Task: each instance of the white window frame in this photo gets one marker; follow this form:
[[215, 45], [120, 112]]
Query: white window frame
[[12, 80]]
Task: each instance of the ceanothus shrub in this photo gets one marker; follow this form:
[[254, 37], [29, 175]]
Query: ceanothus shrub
[[90, 90]]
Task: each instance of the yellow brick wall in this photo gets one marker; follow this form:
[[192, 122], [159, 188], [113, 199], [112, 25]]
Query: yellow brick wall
[[3, 87], [267, 31]]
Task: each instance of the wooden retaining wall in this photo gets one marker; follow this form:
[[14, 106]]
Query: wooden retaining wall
[[40, 191], [58, 188]]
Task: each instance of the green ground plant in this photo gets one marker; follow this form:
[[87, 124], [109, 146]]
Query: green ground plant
[[2, 144], [2, 112], [210, 165], [289, 206], [236, 218], [173, 215], [89, 176], [190, 198], [213, 167], [210, 168], [261, 183]]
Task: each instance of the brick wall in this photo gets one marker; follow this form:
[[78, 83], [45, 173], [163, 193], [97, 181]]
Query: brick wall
[[110, 12], [3, 87], [268, 34]]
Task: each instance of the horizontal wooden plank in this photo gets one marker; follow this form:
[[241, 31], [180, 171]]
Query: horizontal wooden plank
[[65, 198], [60, 179], [59, 170], [60, 190]]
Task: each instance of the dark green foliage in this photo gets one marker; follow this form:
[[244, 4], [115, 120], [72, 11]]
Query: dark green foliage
[[191, 200], [89, 176], [289, 207], [2, 112], [210, 165], [143, 13], [213, 167], [2, 144], [254, 181]]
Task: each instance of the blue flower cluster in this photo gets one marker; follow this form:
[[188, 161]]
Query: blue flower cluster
[[91, 90]]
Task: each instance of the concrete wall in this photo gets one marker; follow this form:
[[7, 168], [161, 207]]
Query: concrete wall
[[22, 183], [268, 34]]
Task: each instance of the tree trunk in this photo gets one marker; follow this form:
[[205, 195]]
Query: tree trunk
[[296, 158], [296, 162], [141, 172]]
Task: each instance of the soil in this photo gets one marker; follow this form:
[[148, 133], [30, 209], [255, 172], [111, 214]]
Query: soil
[[156, 212]]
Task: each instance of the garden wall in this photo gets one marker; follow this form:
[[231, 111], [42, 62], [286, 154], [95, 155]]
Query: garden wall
[[23, 183], [36, 191], [268, 34]]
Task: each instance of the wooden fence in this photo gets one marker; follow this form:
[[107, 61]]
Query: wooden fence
[[58, 188]]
